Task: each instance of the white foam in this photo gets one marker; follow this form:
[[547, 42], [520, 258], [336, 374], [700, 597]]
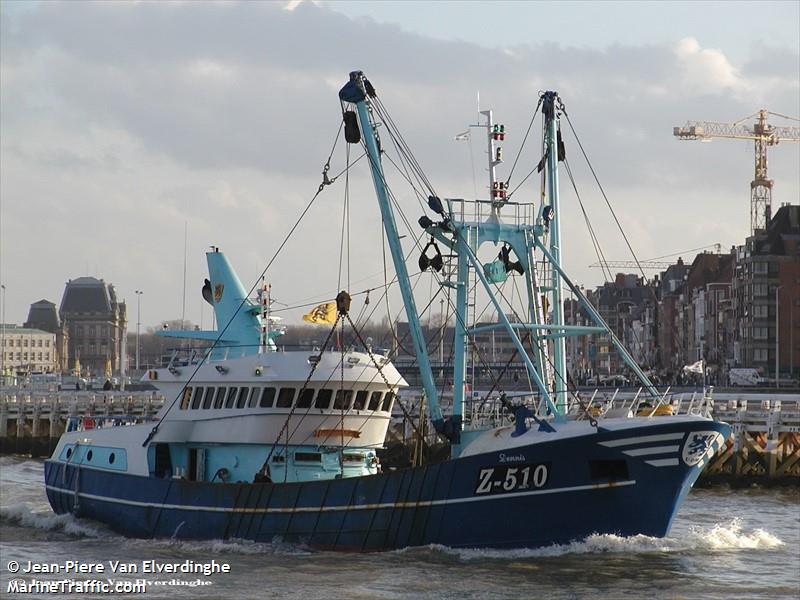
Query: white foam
[[232, 546], [719, 537], [26, 515]]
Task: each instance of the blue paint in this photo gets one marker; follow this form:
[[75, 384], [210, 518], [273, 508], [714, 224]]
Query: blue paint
[[97, 457], [423, 505]]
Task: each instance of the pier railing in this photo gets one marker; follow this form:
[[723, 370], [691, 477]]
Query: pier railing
[[32, 422]]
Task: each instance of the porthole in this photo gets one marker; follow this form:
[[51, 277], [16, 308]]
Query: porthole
[[69, 452], [111, 458], [89, 455]]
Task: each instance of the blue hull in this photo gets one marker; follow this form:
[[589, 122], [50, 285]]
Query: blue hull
[[454, 503]]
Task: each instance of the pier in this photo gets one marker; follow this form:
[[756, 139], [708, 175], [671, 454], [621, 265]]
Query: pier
[[764, 447], [32, 422]]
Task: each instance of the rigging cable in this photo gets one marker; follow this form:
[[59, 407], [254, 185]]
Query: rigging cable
[[603, 192], [325, 182]]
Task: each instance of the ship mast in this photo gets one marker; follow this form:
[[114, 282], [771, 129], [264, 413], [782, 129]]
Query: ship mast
[[355, 92], [552, 150]]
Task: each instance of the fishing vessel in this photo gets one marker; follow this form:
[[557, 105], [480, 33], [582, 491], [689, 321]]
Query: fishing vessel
[[260, 442]]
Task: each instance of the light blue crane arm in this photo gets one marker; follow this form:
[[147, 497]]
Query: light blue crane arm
[[393, 238]]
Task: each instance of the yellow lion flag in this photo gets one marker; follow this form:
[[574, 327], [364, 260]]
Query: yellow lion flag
[[324, 313]]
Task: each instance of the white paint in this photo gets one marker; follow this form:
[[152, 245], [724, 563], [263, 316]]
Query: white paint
[[651, 450], [313, 509]]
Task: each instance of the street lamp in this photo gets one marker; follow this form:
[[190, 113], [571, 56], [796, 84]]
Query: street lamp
[[138, 323], [777, 337]]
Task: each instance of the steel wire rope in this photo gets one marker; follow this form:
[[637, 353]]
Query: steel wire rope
[[602, 191], [595, 241], [524, 139], [392, 388], [285, 426], [325, 182], [598, 248], [387, 118], [566, 381]]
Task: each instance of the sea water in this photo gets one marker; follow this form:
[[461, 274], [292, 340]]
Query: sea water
[[725, 544]]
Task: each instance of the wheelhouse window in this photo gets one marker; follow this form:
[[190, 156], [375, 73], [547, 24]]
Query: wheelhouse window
[[314, 457], [304, 398], [241, 401], [285, 398], [361, 400], [387, 402], [342, 399], [209, 398], [219, 399], [231, 399], [374, 401], [267, 397], [187, 394], [254, 392], [323, 399], [197, 397]]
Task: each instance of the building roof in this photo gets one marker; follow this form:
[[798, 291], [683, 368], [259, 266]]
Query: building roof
[[11, 329], [43, 315], [782, 236], [709, 268], [86, 294]]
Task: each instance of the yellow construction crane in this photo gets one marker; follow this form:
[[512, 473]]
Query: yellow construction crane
[[764, 135], [652, 263]]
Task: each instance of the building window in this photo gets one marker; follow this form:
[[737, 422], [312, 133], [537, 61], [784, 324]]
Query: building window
[[759, 290], [760, 354], [760, 333], [47, 343], [25, 342], [760, 268], [760, 311]]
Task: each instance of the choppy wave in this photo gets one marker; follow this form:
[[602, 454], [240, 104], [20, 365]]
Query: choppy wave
[[26, 515], [232, 546], [727, 536]]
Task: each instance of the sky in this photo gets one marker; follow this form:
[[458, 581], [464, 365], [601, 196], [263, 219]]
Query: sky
[[137, 135]]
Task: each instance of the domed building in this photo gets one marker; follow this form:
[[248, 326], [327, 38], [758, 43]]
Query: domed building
[[96, 324], [44, 316]]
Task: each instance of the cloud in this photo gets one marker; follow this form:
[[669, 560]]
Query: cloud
[[121, 122], [706, 69]]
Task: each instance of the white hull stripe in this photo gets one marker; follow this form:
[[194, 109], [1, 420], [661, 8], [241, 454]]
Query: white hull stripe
[[651, 450], [663, 462], [663, 437], [312, 509]]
